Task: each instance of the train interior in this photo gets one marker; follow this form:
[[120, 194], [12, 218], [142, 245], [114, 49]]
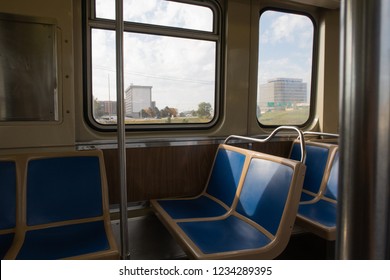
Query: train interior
[[74, 82]]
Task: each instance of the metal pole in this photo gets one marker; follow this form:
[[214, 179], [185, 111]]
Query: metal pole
[[364, 192], [121, 130]]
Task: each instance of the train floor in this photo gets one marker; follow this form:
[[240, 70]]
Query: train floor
[[149, 240]]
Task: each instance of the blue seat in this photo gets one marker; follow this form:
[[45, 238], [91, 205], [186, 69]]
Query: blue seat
[[331, 190], [319, 216], [219, 193], [8, 185], [65, 214], [318, 157], [261, 218]]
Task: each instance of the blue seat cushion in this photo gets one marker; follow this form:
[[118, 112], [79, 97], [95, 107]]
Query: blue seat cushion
[[199, 207], [5, 243], [65, 188], [322, 212], [230, 234], [316, 159], [64, 241], [265, 192], [225, 175], [222, 184]]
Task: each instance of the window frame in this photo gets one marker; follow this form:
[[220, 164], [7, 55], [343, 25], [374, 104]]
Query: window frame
[[314, 65], [90, 22]]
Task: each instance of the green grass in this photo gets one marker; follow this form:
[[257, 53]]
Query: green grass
[[176, 120], [285, 117]]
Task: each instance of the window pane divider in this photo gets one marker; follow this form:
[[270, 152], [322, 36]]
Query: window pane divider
[[162, 31]]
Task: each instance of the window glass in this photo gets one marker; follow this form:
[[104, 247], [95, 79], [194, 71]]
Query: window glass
[[159, 12], [284, 68], [105, 9], [103, 75], [169, 13], [168, 78]]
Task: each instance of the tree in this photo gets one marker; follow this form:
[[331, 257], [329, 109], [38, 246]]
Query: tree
[[156, 113], [98, 108], [173, 112], [143, 114], [204, 110], [168, 112]]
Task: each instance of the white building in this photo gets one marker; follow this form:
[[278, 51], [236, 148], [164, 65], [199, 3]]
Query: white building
[[282, 93], [137, 98]]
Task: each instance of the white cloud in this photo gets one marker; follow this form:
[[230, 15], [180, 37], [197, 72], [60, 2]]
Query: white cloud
[[281, 68], [138, 10], [181, 71], [105, 9], [285, 28], [168, 13]]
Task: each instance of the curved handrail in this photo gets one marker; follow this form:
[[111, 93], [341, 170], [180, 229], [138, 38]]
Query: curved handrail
[[273, 133]]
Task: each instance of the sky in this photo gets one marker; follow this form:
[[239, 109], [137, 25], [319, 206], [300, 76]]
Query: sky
[[182, 71], [285, 47]]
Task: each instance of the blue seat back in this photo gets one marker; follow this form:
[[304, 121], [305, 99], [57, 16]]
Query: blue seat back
[[225, 175], [7, 204], [316, 159], [332, 184], [7, 194], [264, 193], [63, 188]]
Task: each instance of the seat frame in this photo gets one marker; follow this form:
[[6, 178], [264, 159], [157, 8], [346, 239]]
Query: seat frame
[[22, 228], [319, 205], [278, 241], [157, 204], [332, 149]]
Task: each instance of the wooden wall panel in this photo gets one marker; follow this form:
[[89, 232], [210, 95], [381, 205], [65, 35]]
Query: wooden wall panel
[[157, 172], [279, 148], [170, 171]]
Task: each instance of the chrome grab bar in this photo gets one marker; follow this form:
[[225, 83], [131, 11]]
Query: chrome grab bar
[[273, 133]]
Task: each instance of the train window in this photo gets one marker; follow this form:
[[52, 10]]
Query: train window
[[171, 70], [284, 68], [167, 13]]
